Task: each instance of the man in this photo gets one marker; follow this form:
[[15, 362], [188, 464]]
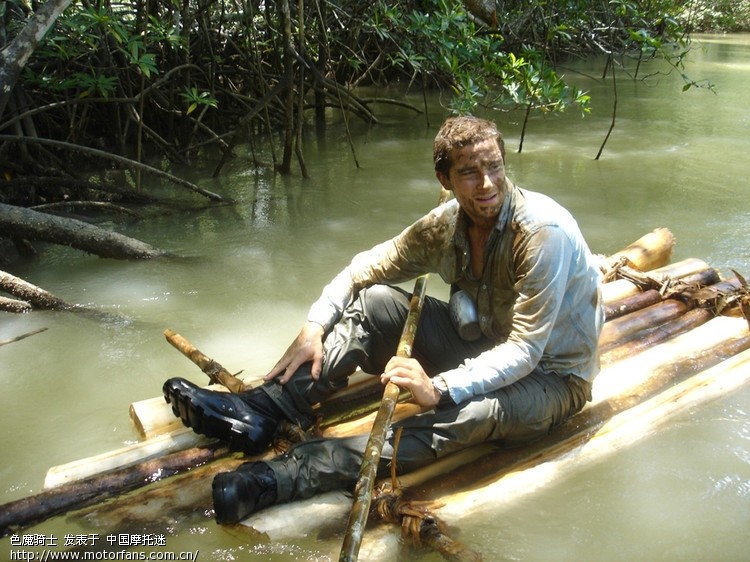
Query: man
[[520, 262]]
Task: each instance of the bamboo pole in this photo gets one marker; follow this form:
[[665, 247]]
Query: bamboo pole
[[368, 471], [355, 527]]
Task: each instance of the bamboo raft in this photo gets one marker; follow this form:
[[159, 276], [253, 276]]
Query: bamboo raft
[[676, 336]]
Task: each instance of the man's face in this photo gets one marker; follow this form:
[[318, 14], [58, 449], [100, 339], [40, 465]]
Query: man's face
[[477, 180]]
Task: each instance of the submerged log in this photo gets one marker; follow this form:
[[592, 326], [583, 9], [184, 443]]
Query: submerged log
[[18, 222], [14, 305], [35, 296], [23, 336]]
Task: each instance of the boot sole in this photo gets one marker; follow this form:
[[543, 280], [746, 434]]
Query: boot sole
[[187, 405]]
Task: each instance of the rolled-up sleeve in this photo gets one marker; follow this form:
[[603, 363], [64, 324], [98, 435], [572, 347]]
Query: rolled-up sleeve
[[418, 249]]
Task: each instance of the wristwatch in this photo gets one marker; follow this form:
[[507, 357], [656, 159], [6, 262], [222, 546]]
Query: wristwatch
[[445, 397]]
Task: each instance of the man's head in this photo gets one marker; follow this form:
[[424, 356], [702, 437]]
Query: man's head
[[469, 159], [458, 132]]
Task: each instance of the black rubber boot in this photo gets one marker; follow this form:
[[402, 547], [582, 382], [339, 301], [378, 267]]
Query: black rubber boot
[[240, 493], [247, 420]]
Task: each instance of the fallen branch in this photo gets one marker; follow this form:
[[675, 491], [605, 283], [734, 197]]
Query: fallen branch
[[14, 305], [22, 336], [216, 373], [119, 159], [36, 297], [19, 222]]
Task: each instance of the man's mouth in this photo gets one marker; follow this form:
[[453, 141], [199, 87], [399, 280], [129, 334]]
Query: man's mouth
[[487, 198]]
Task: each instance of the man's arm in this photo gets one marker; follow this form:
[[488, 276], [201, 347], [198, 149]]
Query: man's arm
[[542, 274]]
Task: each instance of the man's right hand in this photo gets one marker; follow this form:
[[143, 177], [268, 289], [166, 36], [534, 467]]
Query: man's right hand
[[307, 346]]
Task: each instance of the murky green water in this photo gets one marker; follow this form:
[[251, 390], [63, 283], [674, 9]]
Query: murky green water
[[678, 160]]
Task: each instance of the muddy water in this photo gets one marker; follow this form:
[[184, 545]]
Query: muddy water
[[250, 271]]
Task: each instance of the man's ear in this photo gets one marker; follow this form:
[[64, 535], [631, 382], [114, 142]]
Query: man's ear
[[444, 180]]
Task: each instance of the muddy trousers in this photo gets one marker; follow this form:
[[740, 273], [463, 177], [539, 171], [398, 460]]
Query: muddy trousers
[[366, 337]]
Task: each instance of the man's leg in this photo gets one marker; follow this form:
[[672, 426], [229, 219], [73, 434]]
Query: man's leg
[[512, 416], [366, 337]]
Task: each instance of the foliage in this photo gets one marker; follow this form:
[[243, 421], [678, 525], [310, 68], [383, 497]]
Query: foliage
[[444, 43], [173, 76], [717, 16]]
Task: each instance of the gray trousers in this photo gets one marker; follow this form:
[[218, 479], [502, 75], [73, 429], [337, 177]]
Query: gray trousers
[[366, 337]]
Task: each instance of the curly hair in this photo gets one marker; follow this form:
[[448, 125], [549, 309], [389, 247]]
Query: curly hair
[[457, 132]]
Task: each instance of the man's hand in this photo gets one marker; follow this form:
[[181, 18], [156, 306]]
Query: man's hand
[[307, 346], [408, 373]]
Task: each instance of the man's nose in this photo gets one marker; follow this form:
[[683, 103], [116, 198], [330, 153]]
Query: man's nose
[[486, 179]]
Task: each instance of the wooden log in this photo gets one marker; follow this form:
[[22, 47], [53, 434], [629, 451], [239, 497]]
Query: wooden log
[[129, 455], [37, 297], [624, 306], [624, 329], [650, 251], [638, 301], [14, 305], [651, 337], [622, 288], [75, 495], [18, 222], [623, 430]]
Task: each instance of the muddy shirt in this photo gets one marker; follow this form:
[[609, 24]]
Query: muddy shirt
[[538, 297]]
